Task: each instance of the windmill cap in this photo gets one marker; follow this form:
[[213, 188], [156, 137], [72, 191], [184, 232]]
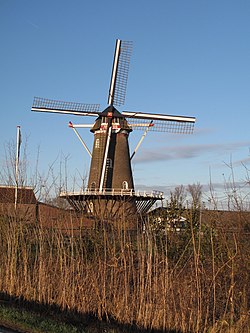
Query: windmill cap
[[111, 111]]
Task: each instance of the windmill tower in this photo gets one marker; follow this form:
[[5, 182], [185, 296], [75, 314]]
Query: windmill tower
[[110, 191]]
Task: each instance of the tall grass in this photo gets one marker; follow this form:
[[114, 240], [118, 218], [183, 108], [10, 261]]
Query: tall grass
[[196, 281]]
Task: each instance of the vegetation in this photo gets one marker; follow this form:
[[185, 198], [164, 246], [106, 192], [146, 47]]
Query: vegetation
[[193, 280], [28, 321], [189, 282]]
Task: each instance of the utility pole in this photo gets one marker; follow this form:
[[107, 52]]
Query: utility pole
[[18, 145]]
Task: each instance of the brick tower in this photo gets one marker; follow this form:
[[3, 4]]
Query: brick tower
[[110, 164]]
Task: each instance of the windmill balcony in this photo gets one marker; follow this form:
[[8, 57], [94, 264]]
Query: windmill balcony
[[115, 192]]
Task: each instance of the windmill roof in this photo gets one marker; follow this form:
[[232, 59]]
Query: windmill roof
[[112, 109], [115, 114]]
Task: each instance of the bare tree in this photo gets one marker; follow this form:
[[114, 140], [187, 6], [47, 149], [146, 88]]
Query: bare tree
[[7, 173], [195, 191]]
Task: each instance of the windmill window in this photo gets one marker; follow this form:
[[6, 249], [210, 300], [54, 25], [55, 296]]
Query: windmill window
[[109, 163], [97, 143], [125, 185], [91, 207], [93, 185]]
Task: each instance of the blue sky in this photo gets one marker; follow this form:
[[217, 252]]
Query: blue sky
[[190, 57]]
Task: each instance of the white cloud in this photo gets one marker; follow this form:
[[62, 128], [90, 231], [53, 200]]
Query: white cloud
[[165, 153]]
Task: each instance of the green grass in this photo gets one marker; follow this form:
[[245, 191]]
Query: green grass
[[31, 322], [25, 321]]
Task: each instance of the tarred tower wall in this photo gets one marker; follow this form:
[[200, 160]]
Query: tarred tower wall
[[118, 172], [98, 152], [122, 172]]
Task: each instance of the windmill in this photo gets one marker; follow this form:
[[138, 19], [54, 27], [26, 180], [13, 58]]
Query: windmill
[[110, 190]]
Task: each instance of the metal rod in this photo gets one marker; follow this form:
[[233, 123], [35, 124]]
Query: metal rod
[[154, 116], [82, 125], [105, 159], [76, 113], [80, 138], [114, 72], [142, 138], [18, 144]]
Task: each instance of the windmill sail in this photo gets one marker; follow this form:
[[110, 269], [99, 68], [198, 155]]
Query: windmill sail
[[161, 122], [54, 106], [119, 77]]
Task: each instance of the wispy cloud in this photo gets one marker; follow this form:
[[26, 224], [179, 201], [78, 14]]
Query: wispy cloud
[[33, 24], [166, 153], [218, 194]]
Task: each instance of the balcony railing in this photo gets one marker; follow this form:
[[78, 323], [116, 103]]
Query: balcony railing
[[115, 192]]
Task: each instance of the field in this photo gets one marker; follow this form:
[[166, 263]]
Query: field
[[193, 280]]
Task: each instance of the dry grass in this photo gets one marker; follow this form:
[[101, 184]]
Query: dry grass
[[195, 281]]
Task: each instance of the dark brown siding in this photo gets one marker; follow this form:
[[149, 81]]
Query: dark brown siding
[[97, 160], [122, 166], [25, 195]]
